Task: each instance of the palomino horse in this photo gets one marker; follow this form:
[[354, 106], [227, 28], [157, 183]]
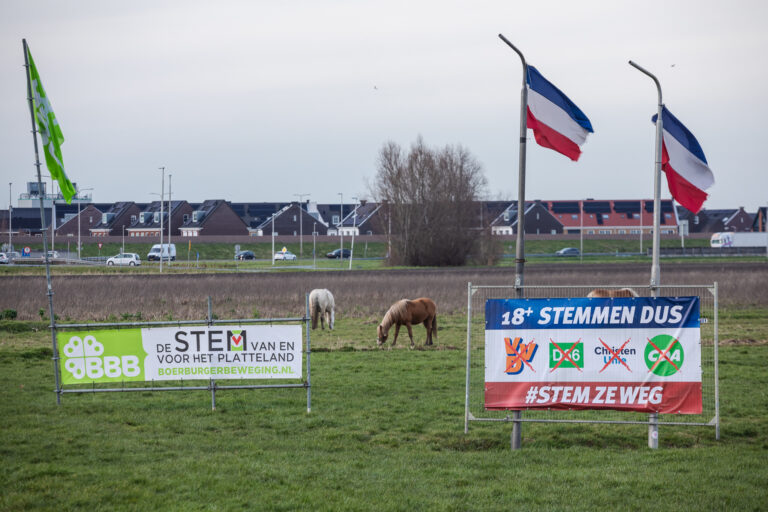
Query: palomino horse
[[321, 305], [409, 312], [603, 293]]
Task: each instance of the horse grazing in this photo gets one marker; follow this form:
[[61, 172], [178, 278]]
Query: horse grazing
[[321, 305], [409, 312], [603, 293]]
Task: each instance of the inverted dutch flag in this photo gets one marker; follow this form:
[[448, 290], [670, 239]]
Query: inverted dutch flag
[[556, 121], [683, 161]]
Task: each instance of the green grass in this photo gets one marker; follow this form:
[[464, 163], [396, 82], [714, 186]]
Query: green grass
[[385, 433]]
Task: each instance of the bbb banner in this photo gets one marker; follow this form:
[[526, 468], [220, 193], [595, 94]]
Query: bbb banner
[[632, 354], [183, 353]]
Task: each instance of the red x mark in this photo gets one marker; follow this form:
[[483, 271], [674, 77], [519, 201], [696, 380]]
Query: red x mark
[[615, 355], [663, 355], [566, 355]]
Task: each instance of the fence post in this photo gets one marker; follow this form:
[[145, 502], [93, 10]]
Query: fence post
[[469, 356], [717, 370], [213, 381], [309, 373]]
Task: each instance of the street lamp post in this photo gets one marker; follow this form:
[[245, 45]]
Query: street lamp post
[[581, 233], [10, 217], [301, 228], [162, 197], [78, 221], [341, 235], [354, 228], [170, 218], [272, 256], [123, 239]]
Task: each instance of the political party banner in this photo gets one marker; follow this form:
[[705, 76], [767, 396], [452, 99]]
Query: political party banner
[[633, 354], [183, 353]]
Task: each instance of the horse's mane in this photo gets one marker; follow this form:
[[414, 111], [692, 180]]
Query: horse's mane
[[395, 313]]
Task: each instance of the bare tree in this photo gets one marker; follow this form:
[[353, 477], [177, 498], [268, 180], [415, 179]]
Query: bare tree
[[429, 195]]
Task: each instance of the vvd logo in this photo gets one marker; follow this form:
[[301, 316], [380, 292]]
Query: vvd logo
[[519, 355]]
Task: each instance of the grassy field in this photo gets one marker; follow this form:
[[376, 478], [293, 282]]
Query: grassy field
[[386, 427], [385, 433]]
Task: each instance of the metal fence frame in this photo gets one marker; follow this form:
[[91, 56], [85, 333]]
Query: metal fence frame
[[653, 421], [212, 386]]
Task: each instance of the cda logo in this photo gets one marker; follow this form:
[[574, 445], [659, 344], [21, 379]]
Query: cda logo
[[84, 358], [664, 355]]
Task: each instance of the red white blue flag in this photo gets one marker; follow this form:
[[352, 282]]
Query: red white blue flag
[[556, 121], [683, 161]]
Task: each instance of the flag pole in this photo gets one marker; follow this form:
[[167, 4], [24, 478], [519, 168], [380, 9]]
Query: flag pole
[[653, 418], [520, 245], [655, 270], [516, 438], [44, 229]]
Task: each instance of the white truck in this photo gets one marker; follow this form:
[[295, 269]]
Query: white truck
[[165, 251], [738, 239]]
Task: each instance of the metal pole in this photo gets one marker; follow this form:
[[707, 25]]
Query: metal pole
[[469, 348], [717, 365], [341, 235], [273, 240], [213, 381], [309, 351], [162, 197], [45, 236], [53, 216], [354, 227], [78, 225], [170, 210], [520, 245], [10, 217], [301, 226], [581, 233], [653, 426], [314, 245], [520, 249], [641, 227]]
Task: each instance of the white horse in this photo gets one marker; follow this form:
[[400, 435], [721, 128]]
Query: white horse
[[321, 304]]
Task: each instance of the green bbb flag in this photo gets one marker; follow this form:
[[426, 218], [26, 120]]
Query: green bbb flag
[[50, 131]]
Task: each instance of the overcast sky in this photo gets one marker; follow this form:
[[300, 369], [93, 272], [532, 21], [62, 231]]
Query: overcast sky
[[261, 100]]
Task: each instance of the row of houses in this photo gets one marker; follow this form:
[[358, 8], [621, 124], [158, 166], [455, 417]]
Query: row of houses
[[219, 217]]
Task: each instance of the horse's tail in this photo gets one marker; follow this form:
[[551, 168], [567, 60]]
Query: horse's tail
[[313, 308]]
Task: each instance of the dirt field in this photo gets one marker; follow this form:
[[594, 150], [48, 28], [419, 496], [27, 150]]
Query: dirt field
[[358, 294]]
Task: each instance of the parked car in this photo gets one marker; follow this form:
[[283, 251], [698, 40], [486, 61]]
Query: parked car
[[125, 258], [13, 255], [567, 251], [4, 259], [53, 254], [335, 254], [245, 255], [287, 255]]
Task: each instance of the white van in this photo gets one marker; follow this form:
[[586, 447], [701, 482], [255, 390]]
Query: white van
[[166, 251]]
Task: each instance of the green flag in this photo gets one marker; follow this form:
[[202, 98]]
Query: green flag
[[50, 132]]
